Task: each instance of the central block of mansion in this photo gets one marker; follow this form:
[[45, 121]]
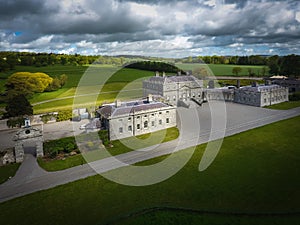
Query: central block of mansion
[[174, 89], [126, 119]]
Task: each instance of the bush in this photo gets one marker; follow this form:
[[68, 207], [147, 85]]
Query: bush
[[64, 115], [15, 122], [64, 145], [295, 96], [103, 134]]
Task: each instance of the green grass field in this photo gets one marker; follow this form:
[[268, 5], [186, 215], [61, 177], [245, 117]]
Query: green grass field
[[172, 217], [285, 105], [8, 171], [119, 147], [220, 69], [122, 79], [93, 76], [256, 171]]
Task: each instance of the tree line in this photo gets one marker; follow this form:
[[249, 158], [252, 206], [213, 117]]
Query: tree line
[[8, 60], [283, 65], [154, 66]]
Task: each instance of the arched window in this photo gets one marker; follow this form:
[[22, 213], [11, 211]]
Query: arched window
[[145, 124]]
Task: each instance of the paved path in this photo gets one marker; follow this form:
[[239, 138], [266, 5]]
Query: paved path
[[239, 118]]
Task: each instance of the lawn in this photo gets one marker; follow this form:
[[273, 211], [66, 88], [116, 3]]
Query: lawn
[[285, 105], [119, 147], [186, 217], [124, 79], [8, 171], [222, 70], [256, 171]]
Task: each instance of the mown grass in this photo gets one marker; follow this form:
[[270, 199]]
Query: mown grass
[[256, 171], [8, 171], [222, 70], [171, 217], [123, 79], [119, 147], [61, 164], [285, 105]]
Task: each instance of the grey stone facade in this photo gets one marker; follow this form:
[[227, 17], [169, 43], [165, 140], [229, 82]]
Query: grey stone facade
[[7, 156], [28, 135], [261, 95], [174, 88], [221, 94], [127, 119], [292, 85]]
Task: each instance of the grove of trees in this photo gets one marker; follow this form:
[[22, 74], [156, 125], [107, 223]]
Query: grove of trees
[[27, 83], [17, 108], [154, 66]]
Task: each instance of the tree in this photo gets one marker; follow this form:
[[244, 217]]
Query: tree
[[236, 70], [63, 79], [18, 106], [290, 65], [251, 73], [273, 64], [27, 83], [201, 72], [15, 122]]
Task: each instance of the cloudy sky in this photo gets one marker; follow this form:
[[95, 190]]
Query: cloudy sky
[[165, 28]]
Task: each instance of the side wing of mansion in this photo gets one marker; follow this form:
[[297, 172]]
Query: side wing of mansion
[[126, 119]]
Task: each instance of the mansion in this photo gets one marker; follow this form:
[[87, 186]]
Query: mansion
[[174, 89], [162, 94]]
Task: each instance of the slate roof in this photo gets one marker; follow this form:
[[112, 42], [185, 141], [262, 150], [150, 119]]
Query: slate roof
[[129, 108], [172, 79]]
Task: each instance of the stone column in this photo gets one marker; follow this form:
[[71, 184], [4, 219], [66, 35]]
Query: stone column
[[39, 148], [19, 152]]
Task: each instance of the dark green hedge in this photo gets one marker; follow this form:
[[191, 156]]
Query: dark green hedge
[[64, 145]]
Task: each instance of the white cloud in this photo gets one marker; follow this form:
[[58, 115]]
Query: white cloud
[[151, 27], [297, 17]]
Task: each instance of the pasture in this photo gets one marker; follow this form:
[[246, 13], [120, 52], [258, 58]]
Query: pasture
[[62, 99], [222, 70]]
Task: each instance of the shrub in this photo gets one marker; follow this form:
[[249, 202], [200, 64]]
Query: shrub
[[64, 145], [64, 115], [103, 134], [295, 96]]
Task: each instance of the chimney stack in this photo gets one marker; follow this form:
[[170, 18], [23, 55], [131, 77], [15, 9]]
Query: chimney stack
[[254, 84], [238, 83], [150, 98], [268, 82], [118, 103]]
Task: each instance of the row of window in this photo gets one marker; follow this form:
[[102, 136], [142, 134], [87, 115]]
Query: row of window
[[138, 126], [138, 117], [276, 98]]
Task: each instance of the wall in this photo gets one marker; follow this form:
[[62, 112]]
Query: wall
[[150, 116]]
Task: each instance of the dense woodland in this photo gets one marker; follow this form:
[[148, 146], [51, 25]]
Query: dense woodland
[[285, 65]]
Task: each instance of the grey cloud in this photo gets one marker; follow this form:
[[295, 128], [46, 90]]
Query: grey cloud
[[103, 22], [14, 8]]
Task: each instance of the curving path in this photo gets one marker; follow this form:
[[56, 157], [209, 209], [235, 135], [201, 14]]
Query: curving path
[[30, 178]]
